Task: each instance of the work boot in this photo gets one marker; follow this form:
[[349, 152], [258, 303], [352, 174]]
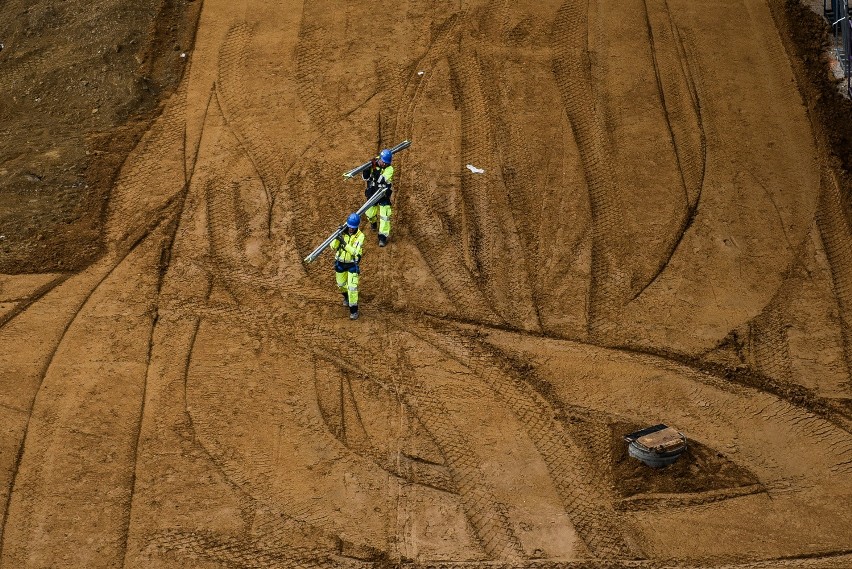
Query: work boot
[[353, 312], [383, 240], [345, 299], [374, 225]]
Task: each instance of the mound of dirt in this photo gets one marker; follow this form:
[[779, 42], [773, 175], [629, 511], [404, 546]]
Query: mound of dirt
[[699, 469], [81, 82]]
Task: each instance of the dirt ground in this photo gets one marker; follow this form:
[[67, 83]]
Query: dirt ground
[[661, 232]]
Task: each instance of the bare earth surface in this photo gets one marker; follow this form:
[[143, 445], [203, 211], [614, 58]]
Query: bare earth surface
[[658, 235]]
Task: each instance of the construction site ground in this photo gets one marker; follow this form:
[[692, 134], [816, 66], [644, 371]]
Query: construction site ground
[[654, 228]]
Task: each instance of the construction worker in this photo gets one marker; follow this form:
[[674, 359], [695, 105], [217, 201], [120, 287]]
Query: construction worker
[[348, 248], [380, 176]]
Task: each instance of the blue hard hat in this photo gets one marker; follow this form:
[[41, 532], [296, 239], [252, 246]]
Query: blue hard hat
[[353, 221], [386, 156]]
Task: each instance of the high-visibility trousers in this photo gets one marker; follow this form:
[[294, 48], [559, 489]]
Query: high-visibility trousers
[[384, 218], [347, 283]]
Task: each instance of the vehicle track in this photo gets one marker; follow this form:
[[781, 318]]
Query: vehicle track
[[768, 342], [421, 206], [681, 107], [333, 405], [77, 441], [483, 511], [247, 554], [495, 533], [571, 68], [496, 247], [231, 97], [573, 476], [147, 182], [837, 239]]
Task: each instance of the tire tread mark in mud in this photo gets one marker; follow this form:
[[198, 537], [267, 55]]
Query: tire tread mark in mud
[[572, 70], [644, 502], [520, 212], [19, 453], [231, 475], [836, 235], [768, 342], [245, 554], [231, 97], [492, 526], [419, 204], [497, 246], [575, 479], [310, 66], [682, 112], [165, 261], [834, 226], [275, 171], [432, 475], [830, 560], [21, 306], [485, 514], [136, 185]]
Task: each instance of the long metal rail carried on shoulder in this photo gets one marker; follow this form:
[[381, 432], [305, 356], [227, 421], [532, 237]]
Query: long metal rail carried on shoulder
[[374, 199], [355, 171]]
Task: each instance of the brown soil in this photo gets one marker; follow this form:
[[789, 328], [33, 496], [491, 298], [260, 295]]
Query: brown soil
[[660, 232], [698, 469], [81, 82]]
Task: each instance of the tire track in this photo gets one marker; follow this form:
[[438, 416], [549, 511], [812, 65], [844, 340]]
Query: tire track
[[146, 182], [837, 238], [678, 97], [572, 70], [109, 266], [310, 70], [35, 296], [333, 410], [768, 343], [420, 204], [495, 244], [98, 273], [231, 97], [829, 560], [485, 514], [490, 521], [520, 213], [577, 481], [246, 554], [646, 502]]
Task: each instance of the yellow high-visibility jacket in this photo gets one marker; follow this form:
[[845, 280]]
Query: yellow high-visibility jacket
[[348, 248]]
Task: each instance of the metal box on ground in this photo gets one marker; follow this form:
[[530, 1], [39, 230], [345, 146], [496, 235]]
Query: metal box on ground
[[656, 446]]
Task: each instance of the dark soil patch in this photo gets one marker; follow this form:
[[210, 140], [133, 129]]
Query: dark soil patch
[[698, 469], [81, 82]]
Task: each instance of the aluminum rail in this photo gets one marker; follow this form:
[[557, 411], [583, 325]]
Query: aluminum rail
[[374, 199], [355, 171]]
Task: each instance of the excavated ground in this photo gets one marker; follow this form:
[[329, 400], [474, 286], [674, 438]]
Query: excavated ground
[[661, 232]]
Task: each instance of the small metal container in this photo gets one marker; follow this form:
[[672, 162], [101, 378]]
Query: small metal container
[[656, 446]]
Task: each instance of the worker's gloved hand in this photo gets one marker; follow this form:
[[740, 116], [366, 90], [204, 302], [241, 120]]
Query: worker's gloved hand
[[374, 163]]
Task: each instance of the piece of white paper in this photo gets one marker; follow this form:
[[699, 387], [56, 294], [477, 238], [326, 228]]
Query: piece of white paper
[[474, 169], [421, 72]]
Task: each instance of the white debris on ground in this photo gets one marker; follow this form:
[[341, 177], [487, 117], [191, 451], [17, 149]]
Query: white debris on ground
[[474, 169]]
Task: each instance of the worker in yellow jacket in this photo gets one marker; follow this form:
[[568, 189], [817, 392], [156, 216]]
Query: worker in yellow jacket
[[379, 176], [348, 248]]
